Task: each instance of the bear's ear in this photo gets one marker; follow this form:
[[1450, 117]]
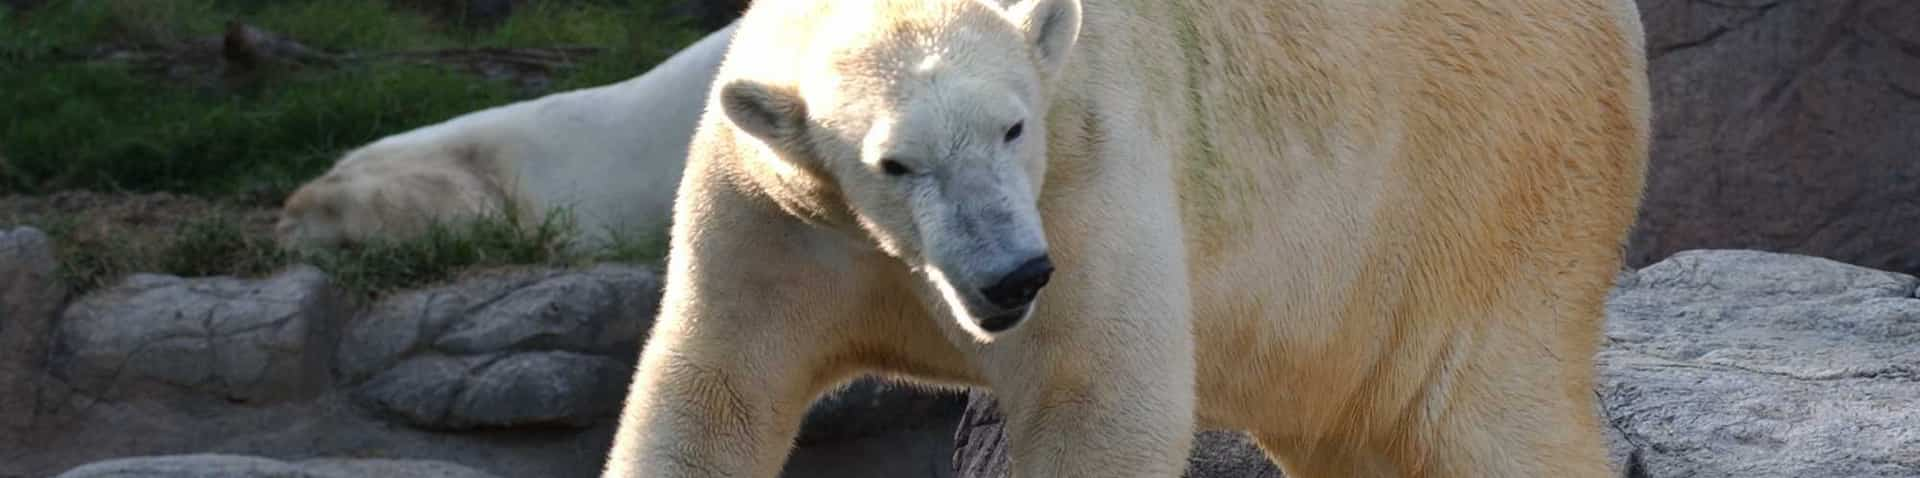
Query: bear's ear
[[773, 114], [1052, 27]]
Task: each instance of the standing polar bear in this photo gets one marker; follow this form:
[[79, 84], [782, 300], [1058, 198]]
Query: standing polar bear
[[611, 156], [1376, 236]]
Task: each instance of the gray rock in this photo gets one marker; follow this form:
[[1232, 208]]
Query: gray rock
[[980, 448], [1735, 363], [186, 466], [30, 289], [1784, 126], [1718, 363], [520, 389], [871, 407], [243, 340], [30, 296], [381, 468], [407, 324], [980, 442], [605, 310], [1228, 454], [238, 466], [591, 312], [539, 347], [420, 391], [540, 388]]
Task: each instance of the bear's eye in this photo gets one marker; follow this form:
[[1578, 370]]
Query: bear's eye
[[1013, 132], [894, 168]]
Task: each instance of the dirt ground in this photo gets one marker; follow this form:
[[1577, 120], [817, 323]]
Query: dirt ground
[[136, 217]]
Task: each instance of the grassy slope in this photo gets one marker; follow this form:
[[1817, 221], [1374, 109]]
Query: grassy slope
[[86, 123], [86, 113]]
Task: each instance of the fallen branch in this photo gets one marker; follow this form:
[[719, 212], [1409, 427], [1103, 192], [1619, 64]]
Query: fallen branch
[[249, 47], [548, 58]]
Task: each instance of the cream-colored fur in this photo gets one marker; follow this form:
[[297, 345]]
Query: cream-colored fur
[[611, 156], [1375, 235]]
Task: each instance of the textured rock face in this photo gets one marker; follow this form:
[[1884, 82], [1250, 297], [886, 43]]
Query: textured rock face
[[1784, 125], [29, 289], [241, 340], [30, 297], [529, 348], [1718, 363]]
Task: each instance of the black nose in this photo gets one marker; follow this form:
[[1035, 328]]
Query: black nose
[[1019, 287]]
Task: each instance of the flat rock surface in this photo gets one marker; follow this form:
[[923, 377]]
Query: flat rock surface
[[236, 466], [1760, 365]]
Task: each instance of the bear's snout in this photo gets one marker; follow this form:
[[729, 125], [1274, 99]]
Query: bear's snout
[[1016, 289]]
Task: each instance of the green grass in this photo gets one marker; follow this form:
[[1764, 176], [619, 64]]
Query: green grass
[[130, 126], [447, 249], [218, 245]]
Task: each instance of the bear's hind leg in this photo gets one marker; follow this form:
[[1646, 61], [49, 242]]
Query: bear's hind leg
[[1513, 439], [1499, 395], [1493, 439], [1518, 402]]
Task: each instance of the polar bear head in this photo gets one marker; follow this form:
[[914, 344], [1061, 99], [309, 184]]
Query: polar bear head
[[926, 117]]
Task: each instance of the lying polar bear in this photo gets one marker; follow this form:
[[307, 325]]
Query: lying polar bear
[[611, 156]]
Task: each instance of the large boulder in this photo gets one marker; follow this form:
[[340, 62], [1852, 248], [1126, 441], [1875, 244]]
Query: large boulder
[[238, 339], [1758, 364], [1717, 363], [1784, 126]]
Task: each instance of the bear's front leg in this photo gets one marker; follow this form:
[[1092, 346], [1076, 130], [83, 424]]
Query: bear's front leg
[[727, 374], [701, 406], [1100, 381]]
